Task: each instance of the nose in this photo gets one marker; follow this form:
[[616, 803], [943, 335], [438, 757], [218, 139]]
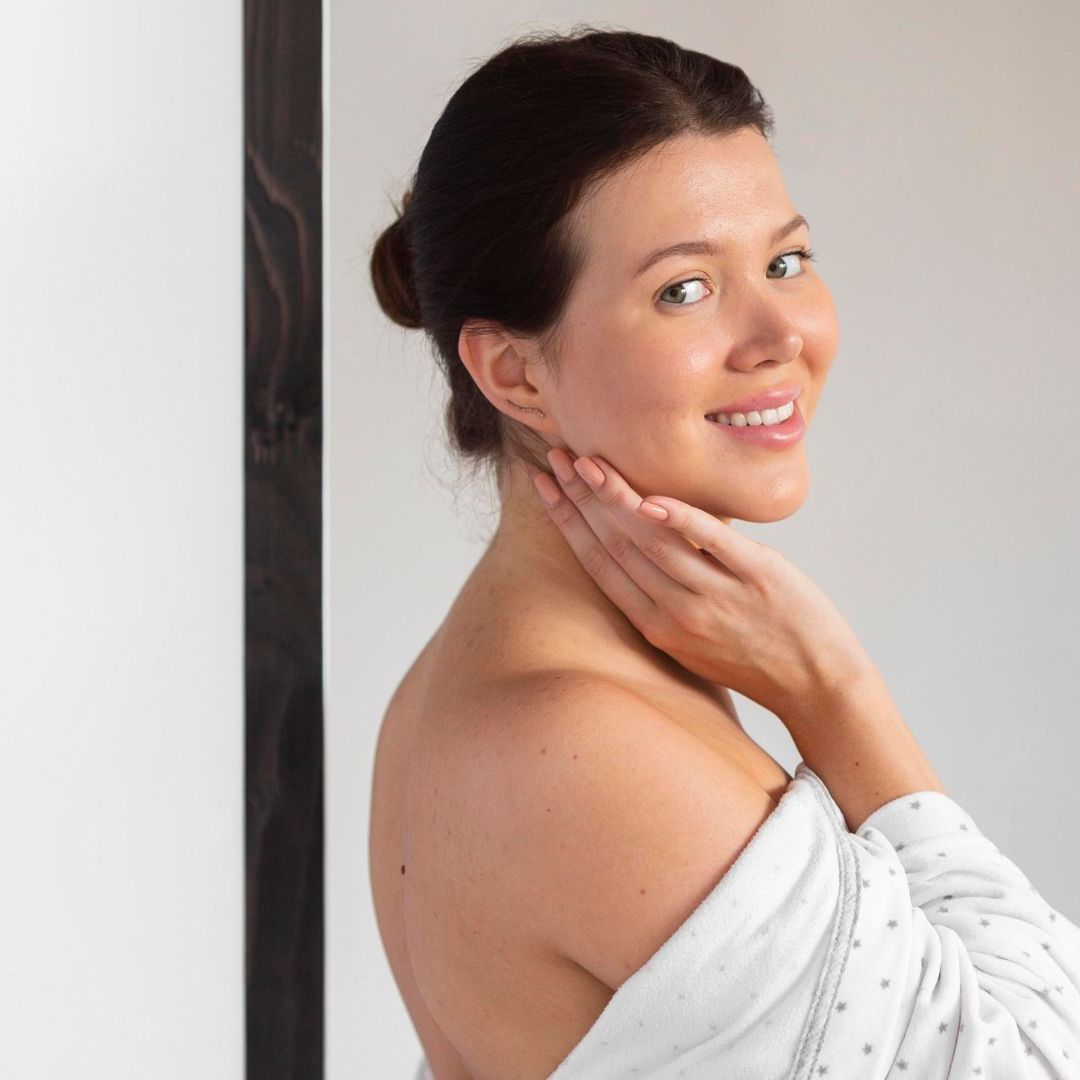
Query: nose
[[766, 334]]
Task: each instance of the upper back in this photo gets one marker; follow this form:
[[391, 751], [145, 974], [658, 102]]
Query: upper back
[[534, 840], [616, 821]]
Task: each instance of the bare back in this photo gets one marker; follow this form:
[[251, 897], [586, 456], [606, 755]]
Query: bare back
[[488, 996]]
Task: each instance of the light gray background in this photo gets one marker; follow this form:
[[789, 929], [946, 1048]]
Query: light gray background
[[935, 150], [121, 546]]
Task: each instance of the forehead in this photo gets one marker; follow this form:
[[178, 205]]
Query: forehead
[[718, 186]]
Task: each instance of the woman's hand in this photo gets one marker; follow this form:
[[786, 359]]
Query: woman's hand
[[727, 608]]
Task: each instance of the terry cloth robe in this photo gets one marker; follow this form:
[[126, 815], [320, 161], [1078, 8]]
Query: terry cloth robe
[[911, 949]]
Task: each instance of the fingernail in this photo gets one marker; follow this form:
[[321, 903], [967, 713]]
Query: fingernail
[[563, 471], [589, 471], [546, 488], [653, 511]]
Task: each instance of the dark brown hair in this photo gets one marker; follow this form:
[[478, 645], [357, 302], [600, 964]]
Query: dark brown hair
[[483, 231]]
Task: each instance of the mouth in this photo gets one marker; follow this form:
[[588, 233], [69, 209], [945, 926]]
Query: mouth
[[759, 408], [775, 429], [755, 417]]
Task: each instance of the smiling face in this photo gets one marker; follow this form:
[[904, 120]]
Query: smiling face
[[646, 354]]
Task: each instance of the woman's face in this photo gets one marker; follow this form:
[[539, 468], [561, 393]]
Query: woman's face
[[646, 355]]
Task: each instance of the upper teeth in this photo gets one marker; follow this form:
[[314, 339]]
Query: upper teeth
[[765, 416]]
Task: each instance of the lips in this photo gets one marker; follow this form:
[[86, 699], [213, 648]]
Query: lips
[[767, 399], [781, 436]]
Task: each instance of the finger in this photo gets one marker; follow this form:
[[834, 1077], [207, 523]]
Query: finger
[[640, 549], [612, 579], [657, 558], [740, 554], [664, 564]]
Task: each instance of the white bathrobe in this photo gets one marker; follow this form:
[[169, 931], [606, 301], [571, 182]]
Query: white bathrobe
[[911, 948]]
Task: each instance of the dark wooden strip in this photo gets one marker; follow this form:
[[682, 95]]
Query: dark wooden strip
[[283, 781]]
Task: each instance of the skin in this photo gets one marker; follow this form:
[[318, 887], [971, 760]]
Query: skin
[[641, 362]]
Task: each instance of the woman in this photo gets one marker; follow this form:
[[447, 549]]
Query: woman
[[582, 864]]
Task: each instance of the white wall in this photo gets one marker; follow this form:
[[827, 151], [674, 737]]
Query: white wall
[[121, 561], [935, 150]]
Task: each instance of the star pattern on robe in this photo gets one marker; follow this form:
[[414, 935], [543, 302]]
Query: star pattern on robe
[[852, 1006]]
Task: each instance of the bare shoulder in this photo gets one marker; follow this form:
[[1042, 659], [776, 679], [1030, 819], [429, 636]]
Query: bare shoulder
[[627, 819]]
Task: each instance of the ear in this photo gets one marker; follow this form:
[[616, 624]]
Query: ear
[[505, 367]]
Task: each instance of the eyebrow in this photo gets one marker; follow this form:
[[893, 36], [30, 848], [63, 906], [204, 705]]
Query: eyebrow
[[709, 247]]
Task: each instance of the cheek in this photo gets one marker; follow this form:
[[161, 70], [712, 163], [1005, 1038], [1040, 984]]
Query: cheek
[[821, 331], [635, 408], [669, 372], [821, 337], [642, 378]]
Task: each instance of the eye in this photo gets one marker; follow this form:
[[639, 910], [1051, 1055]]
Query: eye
[[682, 285], [802, 253]]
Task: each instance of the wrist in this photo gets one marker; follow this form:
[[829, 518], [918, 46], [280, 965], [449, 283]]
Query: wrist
[[832, 689], [854, 737]]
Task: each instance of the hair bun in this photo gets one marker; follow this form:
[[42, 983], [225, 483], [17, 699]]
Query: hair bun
[[392, 274]]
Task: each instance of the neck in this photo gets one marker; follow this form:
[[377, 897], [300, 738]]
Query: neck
[[529, 555]]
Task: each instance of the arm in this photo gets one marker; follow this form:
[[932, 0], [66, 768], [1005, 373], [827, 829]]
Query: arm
[[746, 618], [999, 967], [853, 736], [810, 946]]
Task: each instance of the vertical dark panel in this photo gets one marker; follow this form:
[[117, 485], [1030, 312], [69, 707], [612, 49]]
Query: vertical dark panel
[[283, 538]]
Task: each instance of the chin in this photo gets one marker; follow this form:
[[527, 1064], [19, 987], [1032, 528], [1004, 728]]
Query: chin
[[773, 503], [765, 514]]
